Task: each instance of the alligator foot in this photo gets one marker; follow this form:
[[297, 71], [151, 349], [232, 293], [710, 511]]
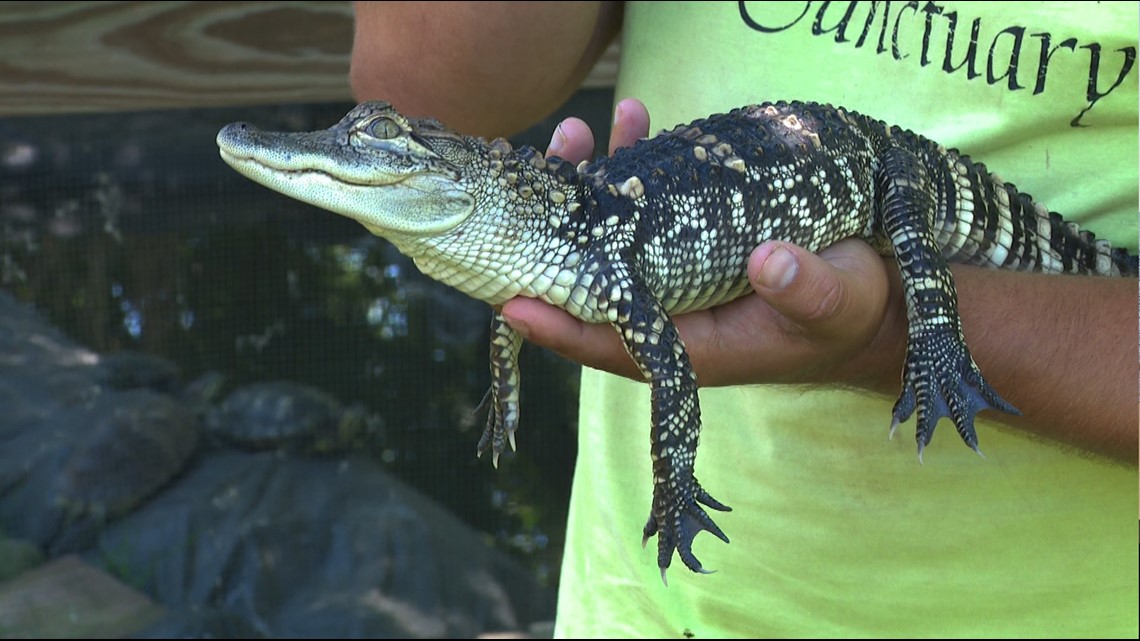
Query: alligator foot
[[941, 379], [502, 422], [679, 523], [503, 396]]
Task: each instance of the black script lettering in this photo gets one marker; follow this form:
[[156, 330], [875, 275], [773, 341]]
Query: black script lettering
[[1010, 72], [930, 10], [1093, 93], [971, 57], [839, 21], [1046, 55], [873, 9], [746, 16], [840, 28], [898, 55]]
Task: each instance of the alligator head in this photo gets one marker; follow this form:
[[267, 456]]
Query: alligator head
[[396, 176], [475, 215]]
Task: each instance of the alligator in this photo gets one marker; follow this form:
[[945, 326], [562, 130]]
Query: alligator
[[665, 227]]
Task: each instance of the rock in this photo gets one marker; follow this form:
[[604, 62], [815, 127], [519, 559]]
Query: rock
[[68, 598], [319, 547], [16, 557]]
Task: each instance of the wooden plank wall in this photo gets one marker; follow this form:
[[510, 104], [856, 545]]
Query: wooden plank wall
[[72, 57]]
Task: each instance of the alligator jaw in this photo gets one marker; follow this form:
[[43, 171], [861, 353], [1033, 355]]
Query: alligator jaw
[[322, 169]]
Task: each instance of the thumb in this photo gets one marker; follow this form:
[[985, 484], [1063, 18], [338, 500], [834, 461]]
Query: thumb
[[823, 293]]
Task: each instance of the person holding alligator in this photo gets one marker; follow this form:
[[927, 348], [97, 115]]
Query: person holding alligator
[[837, 531]]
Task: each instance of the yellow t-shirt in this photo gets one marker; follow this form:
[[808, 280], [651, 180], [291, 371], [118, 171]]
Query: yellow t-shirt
[[835, 530]]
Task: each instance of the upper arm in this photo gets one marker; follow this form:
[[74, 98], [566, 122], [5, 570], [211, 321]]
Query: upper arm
[[488, 69]]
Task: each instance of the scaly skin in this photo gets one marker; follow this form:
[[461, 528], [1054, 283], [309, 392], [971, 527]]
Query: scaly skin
[[665, 227]]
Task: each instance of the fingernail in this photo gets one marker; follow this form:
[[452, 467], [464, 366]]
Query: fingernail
[[617, 113], [778, 270], [557, 141]]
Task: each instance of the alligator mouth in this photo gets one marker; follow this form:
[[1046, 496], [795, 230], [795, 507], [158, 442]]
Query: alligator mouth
[[247, 164], [294, 155], [315, 169]]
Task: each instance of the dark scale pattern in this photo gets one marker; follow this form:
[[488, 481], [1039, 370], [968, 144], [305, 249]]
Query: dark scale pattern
[[665, 227], [502, 397], [688, 206]]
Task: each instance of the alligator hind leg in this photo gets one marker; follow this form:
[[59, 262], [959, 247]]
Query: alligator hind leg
[[503, 396], [676, 516], [940, 377]]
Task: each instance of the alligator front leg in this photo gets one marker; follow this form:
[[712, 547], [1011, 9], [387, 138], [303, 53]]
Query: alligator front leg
[[503, 397], [940, 377], [652, 341]]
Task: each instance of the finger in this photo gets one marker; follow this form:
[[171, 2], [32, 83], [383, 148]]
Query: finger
[[631, 123], [572, 141], [593, 345], [846, 284]]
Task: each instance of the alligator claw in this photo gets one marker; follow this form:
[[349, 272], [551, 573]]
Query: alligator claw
[[941, 380], [503, 395], [502, 422], [677, 528]]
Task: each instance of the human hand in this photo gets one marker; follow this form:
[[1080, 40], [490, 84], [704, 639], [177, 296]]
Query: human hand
[[832, 317]]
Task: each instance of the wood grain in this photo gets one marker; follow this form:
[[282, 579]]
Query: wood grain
[[72, 57], [93, 56]]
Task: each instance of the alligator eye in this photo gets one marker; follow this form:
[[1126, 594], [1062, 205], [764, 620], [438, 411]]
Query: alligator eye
[[383, 128]]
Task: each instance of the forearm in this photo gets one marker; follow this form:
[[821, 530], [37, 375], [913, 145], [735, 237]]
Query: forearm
[[487, 68], [1062, 349]]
